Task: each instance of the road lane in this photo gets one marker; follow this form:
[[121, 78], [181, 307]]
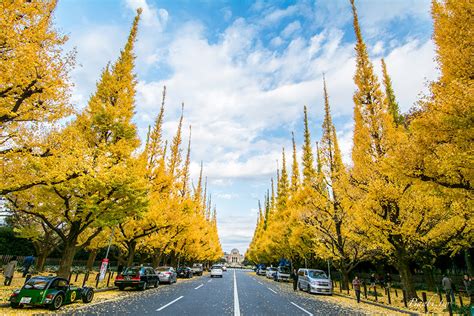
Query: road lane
[[249, 294], [260, 296], [146, 302], [213, 298]]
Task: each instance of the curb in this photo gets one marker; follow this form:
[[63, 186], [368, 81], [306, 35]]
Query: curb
[[106, 289], [379, 305]]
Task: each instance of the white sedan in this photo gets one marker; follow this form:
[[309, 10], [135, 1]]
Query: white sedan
[[216, 271]]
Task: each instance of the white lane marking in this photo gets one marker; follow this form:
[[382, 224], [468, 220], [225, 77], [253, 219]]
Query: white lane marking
[[236, 298], [199, 286], [172, 302], [260, 283], [272, 290], [209, 281], [304, 310]]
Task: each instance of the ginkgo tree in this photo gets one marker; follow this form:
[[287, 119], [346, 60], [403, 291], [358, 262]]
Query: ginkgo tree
[[34, 93], [406, 197]]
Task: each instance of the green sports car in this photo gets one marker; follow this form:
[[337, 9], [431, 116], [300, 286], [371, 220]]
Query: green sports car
[[49, 291]]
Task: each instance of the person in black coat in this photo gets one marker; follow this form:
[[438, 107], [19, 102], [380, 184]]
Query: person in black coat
[[294, 276]]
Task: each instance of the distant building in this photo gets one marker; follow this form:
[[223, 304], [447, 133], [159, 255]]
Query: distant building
[[234, 258]]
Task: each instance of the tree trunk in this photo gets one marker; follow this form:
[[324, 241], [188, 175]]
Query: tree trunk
[[428, 276], [91, 259], [156, 259], [41, 261], [469, 263], [67, 258], [403, 268], [345, 278], [131, 252]]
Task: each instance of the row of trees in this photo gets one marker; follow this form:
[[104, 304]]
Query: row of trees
[[408, 195], [77, 180]]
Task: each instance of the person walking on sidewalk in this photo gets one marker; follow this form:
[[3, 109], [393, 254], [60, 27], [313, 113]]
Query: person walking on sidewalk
[[356, 285], [448, 288], [294, 276], [9, 271], [27, 263]]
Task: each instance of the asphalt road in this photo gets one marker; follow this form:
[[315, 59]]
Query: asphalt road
[[237, 293]]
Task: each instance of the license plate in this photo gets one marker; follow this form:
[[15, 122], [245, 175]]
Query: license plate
[[127, 278], [25, 300]]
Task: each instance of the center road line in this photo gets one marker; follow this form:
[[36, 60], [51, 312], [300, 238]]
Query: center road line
[[172, 302], [236, 298], [199, 286], [260, 283], [304, 310], [272, 290]]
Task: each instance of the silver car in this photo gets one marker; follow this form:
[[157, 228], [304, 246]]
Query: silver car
[[314, 281], [166, 274], [270, 274]]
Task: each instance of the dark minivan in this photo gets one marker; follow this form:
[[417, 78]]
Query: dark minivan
[[137, 277]]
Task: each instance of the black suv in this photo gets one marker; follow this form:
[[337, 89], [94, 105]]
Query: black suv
[[137, 277], [185, 272]]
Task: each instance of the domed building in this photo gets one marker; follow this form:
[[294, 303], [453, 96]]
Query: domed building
[[234, 258]]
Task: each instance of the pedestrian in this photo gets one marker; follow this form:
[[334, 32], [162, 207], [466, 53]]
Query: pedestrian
[[27, 263], [294, 276], [448, 286], [9, 271], [356, 285], [388, 280], [469, 287]]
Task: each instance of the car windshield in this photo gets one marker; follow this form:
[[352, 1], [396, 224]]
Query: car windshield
[[37, 283], [132, 271], [284, 270], [317, 274]]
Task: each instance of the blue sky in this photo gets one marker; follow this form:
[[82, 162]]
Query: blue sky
[[244, 70]]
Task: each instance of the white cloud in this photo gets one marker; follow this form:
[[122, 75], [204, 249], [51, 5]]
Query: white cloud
[[291, 28], [236, 231]]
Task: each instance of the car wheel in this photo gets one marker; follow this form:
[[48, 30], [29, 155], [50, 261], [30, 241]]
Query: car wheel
[[144, 286], [156, 284], [88, 296], [121, 287], [308, 289], [14, 305], [57, 302]]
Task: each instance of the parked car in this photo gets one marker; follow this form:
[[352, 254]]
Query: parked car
[[261, 271], [52, 292], [184, 272], [166, 274], [137, 277], [314, 281], [224, 268], [282, 274], [271, 272], [197, 269], [216, 271]]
